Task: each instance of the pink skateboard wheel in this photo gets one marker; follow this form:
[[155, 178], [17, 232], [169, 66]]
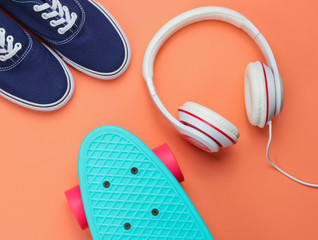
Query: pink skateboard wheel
[[74, 198], [165, 154]]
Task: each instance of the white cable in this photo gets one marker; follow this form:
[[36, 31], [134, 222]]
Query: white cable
[[280, 170]]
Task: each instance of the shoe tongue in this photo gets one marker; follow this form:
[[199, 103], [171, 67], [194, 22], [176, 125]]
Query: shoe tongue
[[73, 7], [19, 36]]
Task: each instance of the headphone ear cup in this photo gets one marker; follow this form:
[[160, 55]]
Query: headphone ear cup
[[198, 139], [256, 93], [208, 122]]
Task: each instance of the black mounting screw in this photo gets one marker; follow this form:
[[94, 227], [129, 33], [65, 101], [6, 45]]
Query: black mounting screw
[[155, 212], [106, 184], [134, 170], [127, 226]]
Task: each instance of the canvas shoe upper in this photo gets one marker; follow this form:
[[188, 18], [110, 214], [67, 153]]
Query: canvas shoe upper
[[31, 75], [81, 31]]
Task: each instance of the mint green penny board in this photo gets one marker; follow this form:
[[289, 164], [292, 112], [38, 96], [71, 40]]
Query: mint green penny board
[[128, 193]]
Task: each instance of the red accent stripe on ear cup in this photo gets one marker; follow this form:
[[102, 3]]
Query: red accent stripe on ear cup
[[186, 123], [202, 120], [267, 101]]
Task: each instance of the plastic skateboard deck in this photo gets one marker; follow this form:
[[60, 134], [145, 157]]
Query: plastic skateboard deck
[[128, 193]]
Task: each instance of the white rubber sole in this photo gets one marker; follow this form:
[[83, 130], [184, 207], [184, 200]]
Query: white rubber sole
[[126, 62], [46, 107]]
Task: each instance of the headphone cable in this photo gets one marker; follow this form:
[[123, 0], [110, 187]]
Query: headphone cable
[[280, 170]]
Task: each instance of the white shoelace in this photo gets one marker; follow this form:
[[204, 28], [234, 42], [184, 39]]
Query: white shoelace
[[57, 10], [7, 49]]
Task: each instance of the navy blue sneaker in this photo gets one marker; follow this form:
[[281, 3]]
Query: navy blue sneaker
[[81, 31], [31, 74]]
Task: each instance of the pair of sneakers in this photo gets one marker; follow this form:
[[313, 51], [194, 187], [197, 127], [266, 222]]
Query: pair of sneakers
[[80, 32]]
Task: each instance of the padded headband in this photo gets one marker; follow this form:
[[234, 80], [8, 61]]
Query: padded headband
[[201, 14]]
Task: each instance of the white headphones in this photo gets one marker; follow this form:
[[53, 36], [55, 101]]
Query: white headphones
[[263, 85], [263, 88]]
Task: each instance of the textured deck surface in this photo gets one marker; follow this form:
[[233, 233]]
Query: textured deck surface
[[122, 203]]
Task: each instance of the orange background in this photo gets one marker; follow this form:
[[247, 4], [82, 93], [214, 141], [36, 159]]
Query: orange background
[[238, 194]]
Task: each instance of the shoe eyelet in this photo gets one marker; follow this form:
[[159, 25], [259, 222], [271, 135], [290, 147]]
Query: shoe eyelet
[[36, 8], [52, 23], [18, 45], [2, 30], [60, 31], [9, 38], [44, 15]]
